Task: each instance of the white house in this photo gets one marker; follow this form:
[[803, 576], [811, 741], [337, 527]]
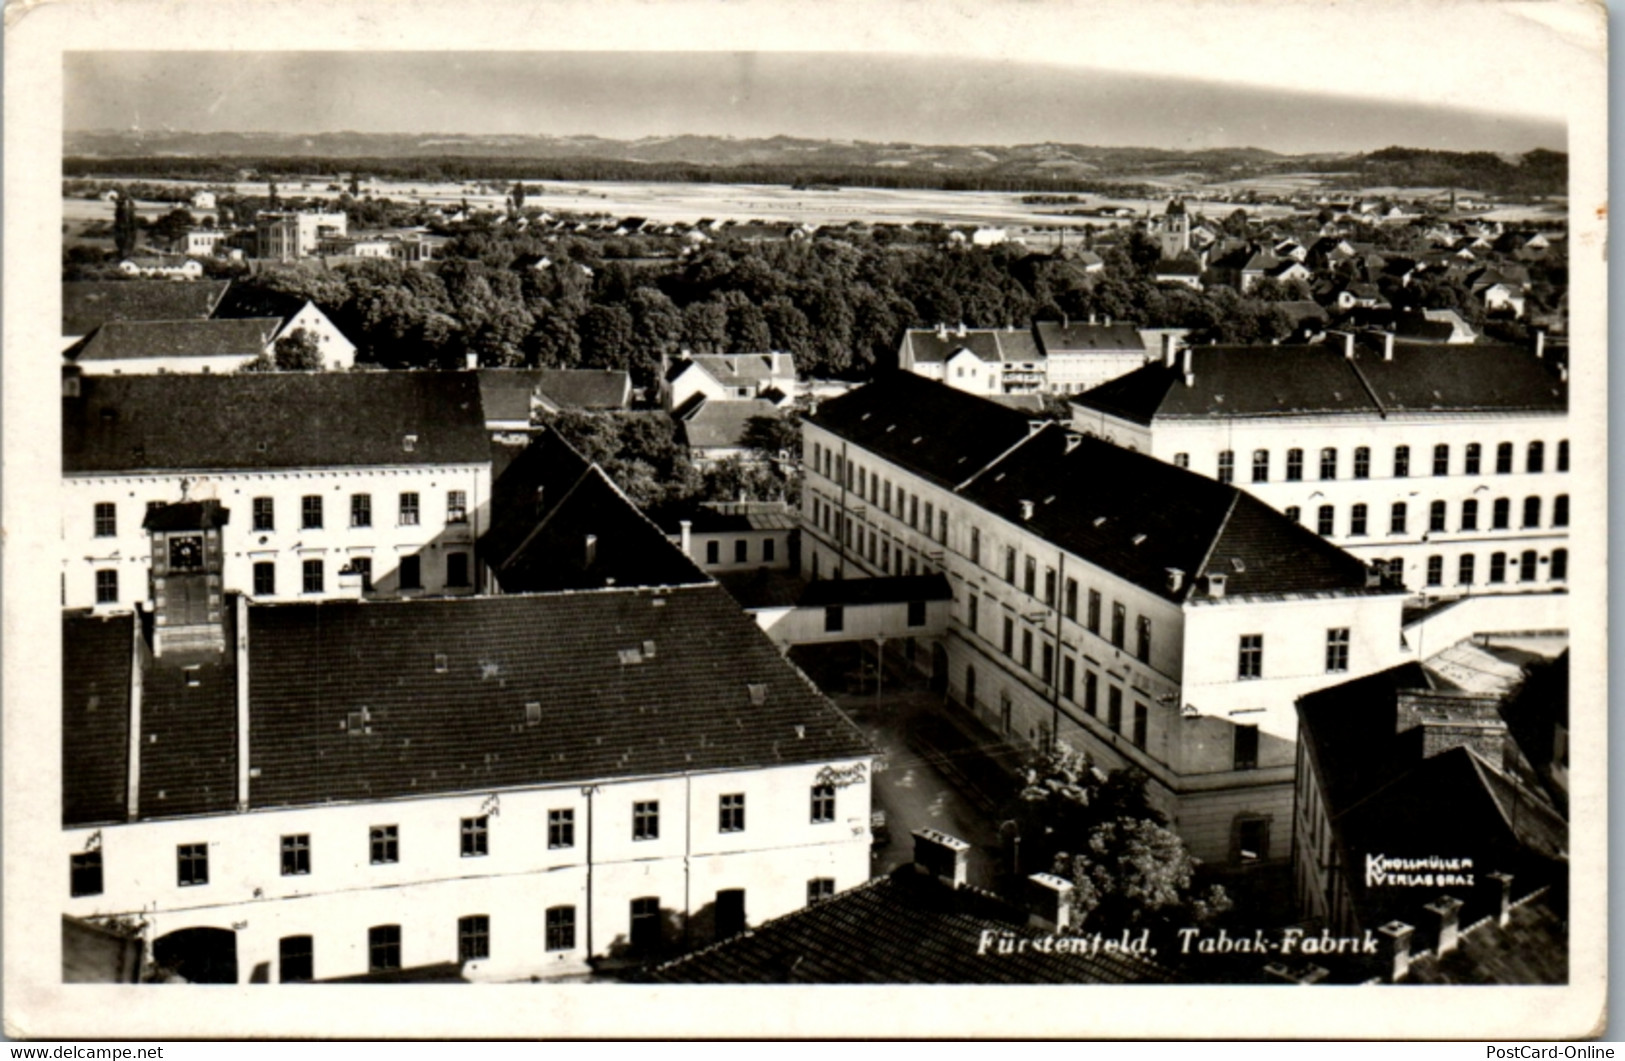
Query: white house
[[495, 788], [288, 235], [1447, 464], [386, 476], [294, 313], [187, 269], [1102, 598], [723, 377]]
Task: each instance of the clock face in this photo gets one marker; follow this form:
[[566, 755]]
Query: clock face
[[186, 552]]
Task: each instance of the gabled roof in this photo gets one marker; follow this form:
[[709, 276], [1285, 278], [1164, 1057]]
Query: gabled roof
[[87, 304], [736, 370], [1462, 377], [989, 344], [505, 393], [1178, 268], [272, 420], [1088, 338], [627, 683], [96, 658], [129, 340], [586, 388], [241, 300], [720, 424], [900, 929], [938, 432]]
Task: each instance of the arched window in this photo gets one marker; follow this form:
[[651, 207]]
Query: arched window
[[1560, 565], [1441, 459], [1396, 518], [1227, 466], [1563, 455], [1536, 459], [1328, 462], [1357, 516], [1436, 516], [1435, 570], [1501, 514], [1560, 510], [1362, 462], [1474, 458], [1469, 515], [1503, 459], [1526, 566], [1402, 461], [1498, 567], [1464, 569], [1531, 512]]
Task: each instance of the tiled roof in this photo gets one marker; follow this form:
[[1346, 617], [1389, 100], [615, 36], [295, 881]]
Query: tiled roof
[[894, 930], [1088, 338], [545, 505], [1243, 381], [735, 370], [505, 393], [189, 732], [724, 516], [1531, 948], [1137, 517], [629, 683], [935, 431], [273, 420], [721, 423], [586, 388], [96, 655], [989, 344], [1178, 268], [128, 340], [892, 589], [86, 304], [241, 300], [762, 587]]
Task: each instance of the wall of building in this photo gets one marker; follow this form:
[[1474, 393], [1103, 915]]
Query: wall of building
[[128, 551], [514, 884], [223, 365], [727, 544], [338, 352]]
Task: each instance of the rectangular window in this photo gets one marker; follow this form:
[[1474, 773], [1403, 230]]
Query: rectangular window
[[1142, 722], [1498, 567], [1072, 599], [819, 889], [411, 572], [644, 923], [1501, 514], [1094, 611], [1114, 708], [473, 938], [1560, 510], [976, 545], [1250, 659], [1402, 461], [1227, 466], [914, 511], [1246, 748], [1531, 512], [561, 828], [823, 804], [1091, 691], [1337, 650], [1069, 677], [1503, 459], [360, 510], [1029, 577], [1536, 460], [1009, 636], [1049, 586], [1294, 465], [296, 855], [561, 928], [1294, 514], [1323, 521], [384, 843], [456, 569], [409, 510], [310, 509], [741, 551], [1472, 459], [1362, 462], [731, 813], [476, 837], [106, 519], [192, 864], [107, 586], [362, 565], [1182, 460], [916, 613], [314, 578], [930, 518], [384, 948], [264, 578], [1563, 455], [295, 960], [713, 552], [1436, 516], [1526, 566], [1027, 648], [1119, 624], [767, 548], [1441, 459], [1560, 565], [834, 619], [264, 514], [942, 526], [1435, 570], [1047, 670], [1396, 518], [1357, 519], [1465, 570], [1142, 639], [646, 820], [85, 873], [1010, 564], [1261, 465], [1469, 515], [1328, 463], [972, 606]]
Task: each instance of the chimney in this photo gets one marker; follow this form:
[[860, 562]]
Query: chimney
[[1026, 510], [1448, 911], [939, 855], [590, 551], [1190, 377], [1168, 349], [1091, 317], [1176, 579], [1108, 320], [1049, 899], [687, 532], [472, 360], [1373, 576], [960, 333], [1073, 438], [1398, 934], [1215, 586], [1387, 346], [1540, 343], [942, 330], [1504, 912]]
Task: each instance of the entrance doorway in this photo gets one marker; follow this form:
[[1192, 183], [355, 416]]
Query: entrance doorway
[[198, 955]]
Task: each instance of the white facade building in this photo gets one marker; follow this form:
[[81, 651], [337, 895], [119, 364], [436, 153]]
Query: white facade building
[[1102, 599], [1050, 357], [1446, 463]]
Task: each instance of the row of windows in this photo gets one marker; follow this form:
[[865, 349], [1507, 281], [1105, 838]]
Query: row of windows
[[474, 840], [1250, 655], [1472, 461], [1439, 516], [313, 576], [713, 551], [1525, 565], [310, 512], [880, 549], [1118, 634], [899, 503], [296, 962]]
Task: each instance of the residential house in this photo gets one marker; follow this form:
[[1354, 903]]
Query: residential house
[[288, 235], [171, 268], [295, 314], [87, 304], [140, 348], [714, 429], [1178, 272], [724, 377]]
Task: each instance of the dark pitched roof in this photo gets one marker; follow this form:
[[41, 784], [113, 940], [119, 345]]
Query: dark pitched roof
[[893, 589], [87, 304], [1087, 338], [1246, 381], [128, 340], [96, 657], [989, 344], [899, 929], [933, 430], [189, 726], [720, 424], [241, 300], [586, 388], [505, 393], [629, 682], [1178, 267], [273, 420], [1531, 948], [723, 516], [1137, 517], [544, 506]]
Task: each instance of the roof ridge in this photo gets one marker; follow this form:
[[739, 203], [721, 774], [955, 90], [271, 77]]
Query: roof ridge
[[1031, 434], [1354, 364], [1213, 545]]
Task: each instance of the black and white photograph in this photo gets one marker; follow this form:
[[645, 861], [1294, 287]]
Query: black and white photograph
[[580, 510]]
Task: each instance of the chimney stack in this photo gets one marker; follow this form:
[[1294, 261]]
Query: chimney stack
[[471, 360], [589, 550], [1176, 579], [1050, 902], [1168, 349], [1026, 510], [1398, 934], [1448, 911], [1348, 345], [939, 855], [961, 332], [1190, 377], [1387, 346], [1504, 913], [942, 330], [1540, 343], [1215, 586], [687, 531]]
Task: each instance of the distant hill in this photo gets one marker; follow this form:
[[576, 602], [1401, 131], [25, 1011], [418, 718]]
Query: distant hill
[[692, 157]]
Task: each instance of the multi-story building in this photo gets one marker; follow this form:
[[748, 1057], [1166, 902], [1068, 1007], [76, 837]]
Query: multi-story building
[[493, 787], [144, 348], [1449, 464], [1053, 357], [288, 235], [381, 477], [1131, 609]]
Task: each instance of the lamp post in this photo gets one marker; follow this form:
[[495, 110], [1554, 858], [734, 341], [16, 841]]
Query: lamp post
[[880, 666]]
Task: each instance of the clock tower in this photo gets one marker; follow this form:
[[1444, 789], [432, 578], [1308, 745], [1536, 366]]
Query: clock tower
[[187, 588]]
